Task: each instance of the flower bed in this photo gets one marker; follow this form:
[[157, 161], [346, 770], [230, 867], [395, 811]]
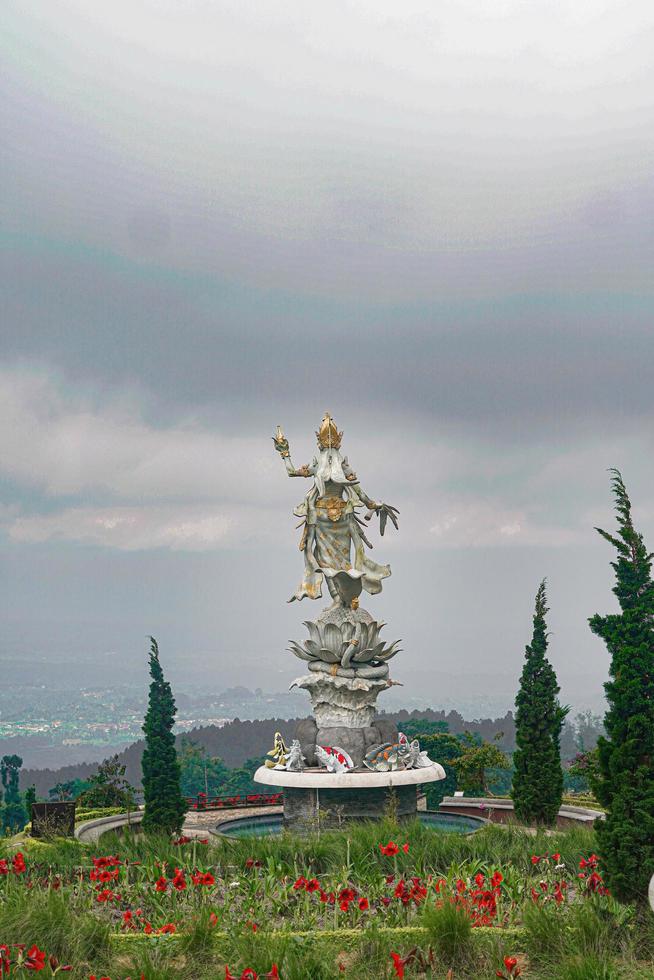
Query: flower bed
[[331, 898]]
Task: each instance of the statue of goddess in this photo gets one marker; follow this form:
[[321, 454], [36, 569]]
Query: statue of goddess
[[331, 528]]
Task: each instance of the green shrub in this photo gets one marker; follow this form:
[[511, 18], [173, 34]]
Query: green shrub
[[449, 930]]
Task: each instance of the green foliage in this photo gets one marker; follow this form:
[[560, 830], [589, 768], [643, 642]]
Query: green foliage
[[199, 773], [14, 815], [538, 777], [108, 787], [475, 759], [420, 727], [164, 804], [71, 789], [443, 748], [449, 929], [626, 754], [30, 797]]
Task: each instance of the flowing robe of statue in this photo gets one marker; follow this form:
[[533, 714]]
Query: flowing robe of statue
[[333, 541]]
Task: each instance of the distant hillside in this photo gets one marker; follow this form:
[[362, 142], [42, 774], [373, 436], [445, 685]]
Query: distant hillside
[[240, 740]]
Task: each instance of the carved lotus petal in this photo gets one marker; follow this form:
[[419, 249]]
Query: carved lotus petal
[[329, 657], [390, 651], [314, 632], [347, 631], [332, 639], [299, 652], [377, 651], [313, 648]]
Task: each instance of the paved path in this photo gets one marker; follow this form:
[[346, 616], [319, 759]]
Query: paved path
[[197, 823]]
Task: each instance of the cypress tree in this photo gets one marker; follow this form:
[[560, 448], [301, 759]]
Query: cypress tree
[[538, 777], [164, 804], [14, 816], [625, 786]]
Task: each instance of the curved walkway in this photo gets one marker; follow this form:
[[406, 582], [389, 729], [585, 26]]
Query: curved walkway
[[196, 823], [205, 822]]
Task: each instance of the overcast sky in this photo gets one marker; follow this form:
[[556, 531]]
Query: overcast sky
[[435, 221]]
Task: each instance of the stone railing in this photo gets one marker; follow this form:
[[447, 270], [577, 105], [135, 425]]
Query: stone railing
[[498, 810]]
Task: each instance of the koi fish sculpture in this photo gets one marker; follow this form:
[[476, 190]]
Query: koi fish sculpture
[[333, 759], [391, 756]]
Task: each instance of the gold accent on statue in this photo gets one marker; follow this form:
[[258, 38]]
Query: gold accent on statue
[[328, 435], [334, 506], [303, 539], [354, 604], [281, 443], [278, 753]]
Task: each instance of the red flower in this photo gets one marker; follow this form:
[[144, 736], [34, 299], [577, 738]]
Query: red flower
[[228, 975], [479, 879], [390, 879], [179, 881], [249, 974], [313, 885], [18, 867], [344, 906], [112, 860], [386, 900], [160, 884], [510, 962], [168, 929], [274, 973], [4, 960], [35, 959], [390, 849], [4, 868], [128, 920], [405, 848], [535, 859], [213, 919], [347, 895], [203, 878], [364, 904], [556, 857], [251, 925], [300, 884], [398, 965], [105, 895], [147, 929], [497, 879]]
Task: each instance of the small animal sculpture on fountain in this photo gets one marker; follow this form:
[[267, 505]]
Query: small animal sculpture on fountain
[[278, 754], [391, 756], [333, 759], [295, 761]]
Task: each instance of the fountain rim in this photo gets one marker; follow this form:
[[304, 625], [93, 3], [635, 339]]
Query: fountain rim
[[353, 779]]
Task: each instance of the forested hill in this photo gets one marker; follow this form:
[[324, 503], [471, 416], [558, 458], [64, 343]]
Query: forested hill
[[240, 740]]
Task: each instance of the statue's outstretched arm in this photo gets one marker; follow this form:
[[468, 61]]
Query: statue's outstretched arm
[[384, 512], [281, 445]]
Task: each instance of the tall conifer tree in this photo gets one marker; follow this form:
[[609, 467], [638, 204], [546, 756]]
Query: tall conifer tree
[[626, 755], [538, 778], [164, 804]]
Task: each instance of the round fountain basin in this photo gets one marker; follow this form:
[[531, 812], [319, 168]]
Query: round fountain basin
[[267, 825]]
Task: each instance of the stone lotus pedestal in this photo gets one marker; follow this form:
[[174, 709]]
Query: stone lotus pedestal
[[344, 700]]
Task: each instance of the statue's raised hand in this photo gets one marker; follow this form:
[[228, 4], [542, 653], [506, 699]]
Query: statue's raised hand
[[281, 442]]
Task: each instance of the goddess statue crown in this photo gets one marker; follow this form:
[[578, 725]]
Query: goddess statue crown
[[328, 435]]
